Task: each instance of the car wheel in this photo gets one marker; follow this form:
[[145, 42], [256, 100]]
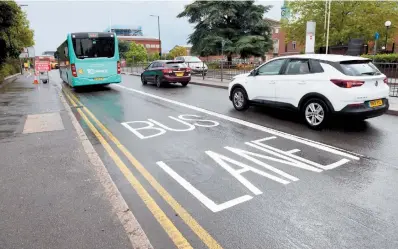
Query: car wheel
[[158, 82], [315, 113], [144, 82], [184, 84], [239, 99]]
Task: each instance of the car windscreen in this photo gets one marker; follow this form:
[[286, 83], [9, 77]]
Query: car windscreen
[[359, 68], [175, 65], [94, 47], [192, 59]]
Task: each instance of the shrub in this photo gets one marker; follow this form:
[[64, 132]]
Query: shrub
[[388, 58], [10, 67]]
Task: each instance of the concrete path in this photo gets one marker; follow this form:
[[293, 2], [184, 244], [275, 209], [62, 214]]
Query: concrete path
[[54, 191]]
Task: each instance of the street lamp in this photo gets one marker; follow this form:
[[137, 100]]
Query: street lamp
[[160, 43], [388, 25]]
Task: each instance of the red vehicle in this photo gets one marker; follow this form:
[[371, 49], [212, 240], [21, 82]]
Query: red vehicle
[[164, 71]]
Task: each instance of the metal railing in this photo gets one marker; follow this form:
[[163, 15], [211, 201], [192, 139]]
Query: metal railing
[[391, 71], [222, 71]]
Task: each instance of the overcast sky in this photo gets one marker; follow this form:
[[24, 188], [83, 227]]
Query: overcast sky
[[52, 20]]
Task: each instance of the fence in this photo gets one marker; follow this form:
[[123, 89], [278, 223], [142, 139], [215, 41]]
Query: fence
[[223, 71], [391, 71]]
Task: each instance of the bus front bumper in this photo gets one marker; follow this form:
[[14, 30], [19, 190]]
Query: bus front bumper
[[79, 81]]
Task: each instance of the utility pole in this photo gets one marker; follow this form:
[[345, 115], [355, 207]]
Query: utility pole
[[160, 42], [327, 33]]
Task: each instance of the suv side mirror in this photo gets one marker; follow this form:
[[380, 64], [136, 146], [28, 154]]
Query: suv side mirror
[[254, 72]]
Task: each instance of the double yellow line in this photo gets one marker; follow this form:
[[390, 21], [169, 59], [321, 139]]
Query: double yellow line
[[168, 226]]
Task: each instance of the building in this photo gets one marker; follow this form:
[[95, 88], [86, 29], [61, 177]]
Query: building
[[151, 44], [125, 30], [280, 47], [135, 34]]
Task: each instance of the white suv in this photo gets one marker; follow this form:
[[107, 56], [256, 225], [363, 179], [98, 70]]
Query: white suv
[[316, 85]]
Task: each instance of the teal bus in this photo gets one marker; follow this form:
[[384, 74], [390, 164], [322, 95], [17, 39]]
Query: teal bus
[[89, 58]]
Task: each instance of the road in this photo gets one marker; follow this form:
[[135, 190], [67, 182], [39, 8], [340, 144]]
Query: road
[[198, 174]]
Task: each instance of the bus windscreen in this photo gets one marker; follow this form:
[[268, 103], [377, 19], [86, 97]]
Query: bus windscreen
[[94, 47]]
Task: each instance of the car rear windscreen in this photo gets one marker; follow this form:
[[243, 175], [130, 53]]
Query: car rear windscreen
[[94, 47], [359, 68], [176, 65]]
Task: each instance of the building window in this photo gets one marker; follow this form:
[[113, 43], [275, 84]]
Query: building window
[[157, 45], [147, 45], [276, 46], [276, 31], [152, 45], [294, 45]]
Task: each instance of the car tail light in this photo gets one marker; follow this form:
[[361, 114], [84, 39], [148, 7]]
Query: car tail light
[[188, 70], [385, 80], [73, 67], [119, 69], [167, 71], [348, 83]]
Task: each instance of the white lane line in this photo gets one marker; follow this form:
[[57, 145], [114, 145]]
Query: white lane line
[[314, 144], [198, 195], [292, 151]]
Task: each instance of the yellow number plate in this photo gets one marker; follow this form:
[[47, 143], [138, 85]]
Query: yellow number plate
[[180, 74], [375, 103], [98, 78]]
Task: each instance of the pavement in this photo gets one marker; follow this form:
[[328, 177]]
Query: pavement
[[54, 189], [197, 174]]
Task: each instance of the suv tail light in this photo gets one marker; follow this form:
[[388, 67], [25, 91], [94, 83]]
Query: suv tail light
[[348, 83], [73, 67], [167, 71], [118, 68], [385, 80]]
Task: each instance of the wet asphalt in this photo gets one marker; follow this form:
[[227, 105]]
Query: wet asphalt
[[352, 205]]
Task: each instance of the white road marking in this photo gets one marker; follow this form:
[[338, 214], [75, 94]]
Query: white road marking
[[221, 160], [305, 141], [198, 195], [257, 144], [292, 151], [190, 127]]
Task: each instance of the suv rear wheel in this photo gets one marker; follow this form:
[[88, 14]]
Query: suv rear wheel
[[239, 99], [315, 113]]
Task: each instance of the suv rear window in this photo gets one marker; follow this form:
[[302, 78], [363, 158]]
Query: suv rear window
[[359, 68], [94, 47]]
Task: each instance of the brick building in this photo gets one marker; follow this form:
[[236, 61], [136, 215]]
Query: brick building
[[280, 47], [151, 44], [135, 34]]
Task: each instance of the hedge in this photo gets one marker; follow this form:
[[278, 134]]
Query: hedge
[[11, 67], [388, 58]]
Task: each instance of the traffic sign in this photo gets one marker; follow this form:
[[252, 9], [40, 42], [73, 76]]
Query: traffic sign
[[377, 36]]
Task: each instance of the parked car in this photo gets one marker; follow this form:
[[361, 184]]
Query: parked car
[[197, 66], [316, 85], [166, 71]]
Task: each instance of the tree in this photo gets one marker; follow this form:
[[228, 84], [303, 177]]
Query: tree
[[136, 53], [153, 57], [124, 47], [15, 33], [178, 51], [239, 24], [348, 19]]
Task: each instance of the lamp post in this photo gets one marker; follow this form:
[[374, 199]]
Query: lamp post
[[160, 43], [388, 25]]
